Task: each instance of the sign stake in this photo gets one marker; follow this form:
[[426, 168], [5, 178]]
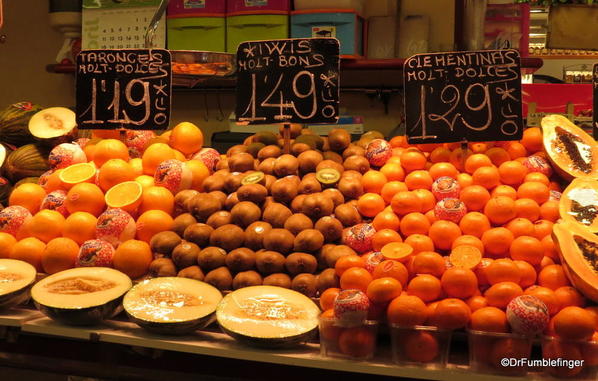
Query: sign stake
[[286, 135]]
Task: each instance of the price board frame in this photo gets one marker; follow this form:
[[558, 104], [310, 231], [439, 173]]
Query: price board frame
[[595, 101]]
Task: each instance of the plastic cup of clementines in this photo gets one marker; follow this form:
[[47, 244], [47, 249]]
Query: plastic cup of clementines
[[488, 351], [557, 349], [357, 342], [420, 345]]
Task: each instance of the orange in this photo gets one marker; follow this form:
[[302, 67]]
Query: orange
[[51, 182], [553, 277], [476, 302], [512, 172], [45, 225], [500, 294], [458, 158], [479, 147], [386, 220], [546, 261], [419, 243], [546, 295], [489, 319], [469, 240], [428, 201], [527, 208], [550, 210], [451, 314], [383, 237], [85, 197], [412, 160], [542, 228], [428, 262], [78, 173], [431, 216], [567, 296], [557, 349], [60, 254], [399, 251], [532, 139], [593, 310], [7, 241], [480, 271], [125, 196], [145, 181], [574, 323], [28, 195], [458, 282], [500, 210], [498, 155], [186, 137], [154, 155], [370, 204], [440, 154], [497, 241], [398, 141], [329, 331], [80, 227], [405, 202], [407, 311], [414, 223], [392, 269], [526, 248], [507, 348], [113, 172], [357, 342], [199, 172], [133, 258], [156, 198], [137, 166], [503, 270], [441, 169], [528, 274], [549, 248], [474, 197], [515, 150], [384, 290], [443, 233], [328, 297], [464, 180], [419, 179], [521, 227], [109, 149], [537, 177], [29, 250], [152, 222], [475, 161], [487, 177], [105, 134], [465, 256], [474, 223], [535, 190], [348, 261], [420, 346], [428, 147], [426, 287], [393, 172], [390, 189], [356, 278], [504, 190]]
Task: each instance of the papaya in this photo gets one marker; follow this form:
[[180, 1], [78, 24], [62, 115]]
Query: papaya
[[14, 123], [27, 161], [571, 150], [578, 251], [579, 203]]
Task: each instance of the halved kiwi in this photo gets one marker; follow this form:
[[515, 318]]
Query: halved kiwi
[[328, 176]]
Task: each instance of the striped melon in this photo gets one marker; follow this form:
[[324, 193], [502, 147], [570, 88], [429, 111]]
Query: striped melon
[[14, 123], [27, 161]]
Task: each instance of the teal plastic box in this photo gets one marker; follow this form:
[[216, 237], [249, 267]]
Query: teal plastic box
[[197, 33]]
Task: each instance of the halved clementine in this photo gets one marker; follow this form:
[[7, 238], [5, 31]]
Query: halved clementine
[[398, 251], [77, 174], [126, 196], [465, 256]]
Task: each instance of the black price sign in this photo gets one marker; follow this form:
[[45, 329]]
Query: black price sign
[[457, 96], [284, 81], [595, 94], [128, 88]]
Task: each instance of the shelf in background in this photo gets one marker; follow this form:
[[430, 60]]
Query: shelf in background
[[566, 57]]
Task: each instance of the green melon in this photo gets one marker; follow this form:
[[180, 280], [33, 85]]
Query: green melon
[[14, 123], [27, 161]]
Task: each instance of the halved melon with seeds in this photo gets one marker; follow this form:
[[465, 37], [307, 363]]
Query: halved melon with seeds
[[579, 203], [77, 173], [52, 122], [16, 279], [126, 196], [2, 154], [570, 149], [578, 251]]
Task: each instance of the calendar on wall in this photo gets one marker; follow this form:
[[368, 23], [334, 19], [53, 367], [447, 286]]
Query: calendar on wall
[[108, 24]]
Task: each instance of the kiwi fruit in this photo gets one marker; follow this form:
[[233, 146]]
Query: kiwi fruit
[[231, 201], [164, 242], [254, 234], [241, 162], [309, 184], [269, 151], [245, 213], [330, 164], [255, 193], [253, 177], [297, 203], [305, 284], [283, 190], [286, 165], [199, 234], [357, 163], [297, 223], [228, 237], [269, 262], [222, 173], [222, 163], [298, 263], [267, 166], [221, 278], [181, 200], [221, 196], [162, 267], [309, 240], [351, 188], [327, 279], [246, 279], [192, 272], [331, 155], [276, 214], [232, 182], [308, 161], [203, 205], [328, 177], [311, 139], [335, 195], [236, 149], [321, 255], [331, 256], [266, 137], [219, 219], [181, 222], [185, 254], [280, 240], [317, 205], [213, 183], [241, 259], [278, 280], [330, 227], [267, 202], [298, 148], [339, 139], [269, 181], [326, 145], [347, 214], [352, 174], [211, 258], [353, 150], [254, 148], [295, 130]]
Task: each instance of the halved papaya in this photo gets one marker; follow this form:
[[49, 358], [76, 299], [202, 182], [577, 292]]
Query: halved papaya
[[578, 251], [579, 203], [571, 150]]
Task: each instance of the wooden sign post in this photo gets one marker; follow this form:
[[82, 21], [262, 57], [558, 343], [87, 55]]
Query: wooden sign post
[[463, 96], [288, 81], [595, 101]]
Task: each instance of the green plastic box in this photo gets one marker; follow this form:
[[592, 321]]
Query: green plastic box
[[255, 27], [197, 33]]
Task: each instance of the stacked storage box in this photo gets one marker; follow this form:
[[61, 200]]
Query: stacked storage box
[[197, 25], [249, 20]]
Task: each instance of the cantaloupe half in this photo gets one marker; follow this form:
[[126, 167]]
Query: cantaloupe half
[[2, 154], [16, 279], [268, 316], [52, 122], [579, 203]]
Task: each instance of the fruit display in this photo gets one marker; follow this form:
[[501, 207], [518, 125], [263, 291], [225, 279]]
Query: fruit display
[[579, 203], [16, 279], [14, 123]]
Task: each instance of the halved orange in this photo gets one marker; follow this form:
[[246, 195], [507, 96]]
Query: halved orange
[[78, 173], [126, 196], [398, 251], [465, 256]]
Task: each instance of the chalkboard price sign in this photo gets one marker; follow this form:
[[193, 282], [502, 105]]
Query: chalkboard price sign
[[128, 88], [463, 96], [284, 81], [595, 108]]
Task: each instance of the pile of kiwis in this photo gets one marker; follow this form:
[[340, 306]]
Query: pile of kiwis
[[266, 217]]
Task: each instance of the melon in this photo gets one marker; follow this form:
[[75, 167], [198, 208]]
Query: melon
[[579, 203], [2, 154], [81, 296], [172, 306], [27, 161], [14, 122], [52, 122], [16, 279], [268, 316], [5, 189]]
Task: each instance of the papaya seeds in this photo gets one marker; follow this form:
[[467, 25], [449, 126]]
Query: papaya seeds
[[221, 278], [211, 258], [269, 262], [199, 234], [241, 259], [298, 263]]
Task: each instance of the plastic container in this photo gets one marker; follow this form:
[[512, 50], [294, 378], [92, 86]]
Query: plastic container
[[382, 32], [497, 353], [254, 7], [356, 5], [356, 343], [255, 27], [197, 33], [196, 8], [420, 346], [567, 352], [345, 25]]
